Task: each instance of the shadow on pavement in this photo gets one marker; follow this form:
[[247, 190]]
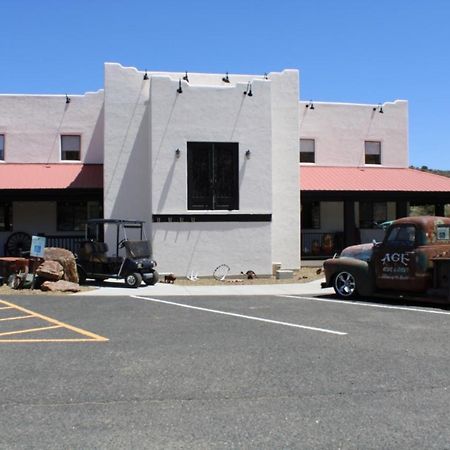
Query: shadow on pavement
[[437, 304]]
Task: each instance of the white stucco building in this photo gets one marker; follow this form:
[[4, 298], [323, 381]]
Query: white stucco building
[[209, 161], [211, 165], [354, 174]]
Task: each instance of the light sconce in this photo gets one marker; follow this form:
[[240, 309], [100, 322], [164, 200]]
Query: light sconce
[[177, 153], [186, 78], [179, 90], [67, 99], [248, 91], [248, 153], [310, 105], [145, 75], [226, 79], [378, 108]]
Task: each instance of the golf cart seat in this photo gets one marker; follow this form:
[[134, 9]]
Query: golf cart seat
[[93, 251], [137, 249]]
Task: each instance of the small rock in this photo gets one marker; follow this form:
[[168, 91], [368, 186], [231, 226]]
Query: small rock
[[60, 286], [50, 270]]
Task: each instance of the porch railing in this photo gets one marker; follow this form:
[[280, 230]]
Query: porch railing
[[321, 245], [69, 242]]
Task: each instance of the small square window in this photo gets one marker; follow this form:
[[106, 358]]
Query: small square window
[[372, 152], [70, 147], [2, 147], [443, 233], [307, 150]]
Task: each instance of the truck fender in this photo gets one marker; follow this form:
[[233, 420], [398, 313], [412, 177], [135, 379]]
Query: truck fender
[[361, 270]]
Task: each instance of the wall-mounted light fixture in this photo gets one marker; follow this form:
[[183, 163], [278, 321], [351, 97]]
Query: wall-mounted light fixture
[[145, 75], [67, 99], [248, 153], [378, 108], [226, 79], [310, 105], [248, 91], [177, 153], [265, 76], [186, 78], [179, 90]]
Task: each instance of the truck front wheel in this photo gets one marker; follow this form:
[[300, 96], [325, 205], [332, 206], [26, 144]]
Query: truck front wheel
[[344, 285]]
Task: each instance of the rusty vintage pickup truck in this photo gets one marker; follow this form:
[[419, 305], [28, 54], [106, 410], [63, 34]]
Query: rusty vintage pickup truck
[[412, 261]]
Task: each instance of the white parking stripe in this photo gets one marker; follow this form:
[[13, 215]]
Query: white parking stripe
[[369, 305], [242, 316]]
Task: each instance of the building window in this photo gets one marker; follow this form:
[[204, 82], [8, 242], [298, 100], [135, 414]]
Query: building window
[[373, 152], [372, 213], [310, 215], [307, 150], [72, 215], [5, 216], [2, 147], [70, 147], [213, 175]]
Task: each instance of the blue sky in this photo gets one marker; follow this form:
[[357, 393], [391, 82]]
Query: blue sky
[[361, 51]]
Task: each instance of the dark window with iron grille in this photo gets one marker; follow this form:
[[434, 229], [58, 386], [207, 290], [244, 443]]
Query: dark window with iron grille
[[70, 147], [2, 147], [307, 150], [372, 213], [5, 216], [372, 152], [213, 175], [310, 215], [72, 215]]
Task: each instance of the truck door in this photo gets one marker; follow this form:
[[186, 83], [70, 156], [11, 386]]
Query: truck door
[[395, 259]]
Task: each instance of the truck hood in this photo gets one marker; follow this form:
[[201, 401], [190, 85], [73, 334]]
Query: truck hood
[[361, 251]]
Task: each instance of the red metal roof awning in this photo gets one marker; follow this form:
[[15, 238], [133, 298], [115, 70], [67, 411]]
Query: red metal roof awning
[[320, 178], [51, 176]]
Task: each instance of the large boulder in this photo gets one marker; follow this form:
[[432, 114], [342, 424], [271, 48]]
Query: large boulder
[[60, 286], [50, 270], [66, 259]]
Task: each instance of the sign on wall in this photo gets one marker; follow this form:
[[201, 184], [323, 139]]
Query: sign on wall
[[37, 246]]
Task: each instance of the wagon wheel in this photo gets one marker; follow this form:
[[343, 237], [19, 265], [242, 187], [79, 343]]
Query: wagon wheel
[[221, 272], [18, 243]]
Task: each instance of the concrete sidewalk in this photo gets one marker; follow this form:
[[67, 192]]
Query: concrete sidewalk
[[117, 288]]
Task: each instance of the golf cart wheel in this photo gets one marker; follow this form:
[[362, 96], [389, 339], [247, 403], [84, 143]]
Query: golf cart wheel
[[152, 281], [133, 280], [344, 285]]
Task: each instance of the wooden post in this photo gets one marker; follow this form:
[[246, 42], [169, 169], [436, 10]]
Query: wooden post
[[349, 223], [401, 209], [439, 209]]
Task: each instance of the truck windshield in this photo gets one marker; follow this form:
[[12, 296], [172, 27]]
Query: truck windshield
[[402, 235]]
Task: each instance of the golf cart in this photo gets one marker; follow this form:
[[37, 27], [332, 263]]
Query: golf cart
[[136, 266]]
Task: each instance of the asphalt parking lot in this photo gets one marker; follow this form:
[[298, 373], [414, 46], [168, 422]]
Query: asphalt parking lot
[[258, 372]]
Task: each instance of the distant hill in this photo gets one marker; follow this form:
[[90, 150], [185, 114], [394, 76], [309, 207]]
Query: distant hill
[[445, 173]]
